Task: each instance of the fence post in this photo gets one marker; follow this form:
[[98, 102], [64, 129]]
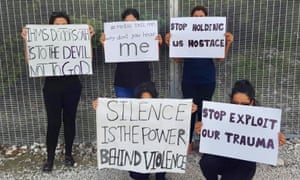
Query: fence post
[[175, 87]]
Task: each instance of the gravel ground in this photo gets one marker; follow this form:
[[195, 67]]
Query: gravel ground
[[26, 162]]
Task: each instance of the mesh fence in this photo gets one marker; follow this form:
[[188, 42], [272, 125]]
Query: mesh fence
[[265, 50]]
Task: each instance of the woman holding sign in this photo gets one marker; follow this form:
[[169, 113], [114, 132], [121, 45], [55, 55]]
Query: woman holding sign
[[242, 93], [145, 90], [61, 97], [199, 74], [129, 74]]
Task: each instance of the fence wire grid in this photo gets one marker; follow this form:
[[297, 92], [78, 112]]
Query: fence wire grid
[[265, 50]]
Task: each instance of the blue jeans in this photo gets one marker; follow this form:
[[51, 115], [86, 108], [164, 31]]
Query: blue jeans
[[122, 92]]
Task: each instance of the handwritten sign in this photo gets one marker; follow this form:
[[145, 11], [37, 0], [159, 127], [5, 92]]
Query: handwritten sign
[[58, 50], [143, 135], [131, 41], [238, 131], [201, 37]]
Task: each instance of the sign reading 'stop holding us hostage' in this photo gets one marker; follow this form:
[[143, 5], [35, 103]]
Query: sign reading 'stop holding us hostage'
[[130, 41], [202, 37], [58, 50], [143, 135], [242, 132]]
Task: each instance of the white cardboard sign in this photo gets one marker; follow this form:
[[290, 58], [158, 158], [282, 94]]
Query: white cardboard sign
[[143, 135], [132, 41], [202, 37], [242, 132], [58, 50]]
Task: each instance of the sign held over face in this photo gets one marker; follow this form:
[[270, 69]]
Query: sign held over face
[[58, 50], [131, 41], [242, 132], [202, 37], [143, 135]]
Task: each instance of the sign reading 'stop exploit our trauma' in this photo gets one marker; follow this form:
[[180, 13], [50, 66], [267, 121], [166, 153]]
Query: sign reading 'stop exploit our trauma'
[[242, 132], [58, 50], [202, 37]]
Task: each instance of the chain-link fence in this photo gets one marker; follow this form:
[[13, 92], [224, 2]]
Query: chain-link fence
[[266, 51]]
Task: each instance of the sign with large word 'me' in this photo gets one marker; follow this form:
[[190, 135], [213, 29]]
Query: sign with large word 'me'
[[143, 135], [202, 37], [131, 41], [239, 131], [58, 50]]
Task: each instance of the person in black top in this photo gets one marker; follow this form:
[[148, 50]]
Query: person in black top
[[61, 97], [130, 74]]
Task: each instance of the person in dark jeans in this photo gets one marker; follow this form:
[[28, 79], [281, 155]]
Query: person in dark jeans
[[61, 96]]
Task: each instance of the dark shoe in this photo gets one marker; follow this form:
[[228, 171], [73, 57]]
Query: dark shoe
[[69, 161], [48, 166], [160, 176]]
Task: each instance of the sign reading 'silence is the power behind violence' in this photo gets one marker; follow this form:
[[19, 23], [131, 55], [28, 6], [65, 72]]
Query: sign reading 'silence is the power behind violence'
[[143, 135]]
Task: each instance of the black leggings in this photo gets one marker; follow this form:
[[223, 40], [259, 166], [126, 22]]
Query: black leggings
[[141, 176], [228, 168], [61, 97], [198, 92]]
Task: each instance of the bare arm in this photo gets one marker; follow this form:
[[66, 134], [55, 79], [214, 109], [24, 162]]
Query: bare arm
[[24, 36], [229, 40], [198, 127], [92, 33], [282, 139], [102, 39], [95, 104]]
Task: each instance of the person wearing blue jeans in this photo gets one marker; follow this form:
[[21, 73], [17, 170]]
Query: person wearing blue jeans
[[130, 74]]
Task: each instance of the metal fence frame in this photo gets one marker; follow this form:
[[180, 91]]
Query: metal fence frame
[[266, 55]]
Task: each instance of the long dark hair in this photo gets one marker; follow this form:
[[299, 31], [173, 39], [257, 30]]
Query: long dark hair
[[244, 86], [130, 11], [145, 87], [58, 14]]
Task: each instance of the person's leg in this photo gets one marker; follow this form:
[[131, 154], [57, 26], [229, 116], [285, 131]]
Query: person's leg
[[239, 169], [203, 92], [53, 104], [188, 91], [138, 176], [70, 102], [122, 92], [211, 166]]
